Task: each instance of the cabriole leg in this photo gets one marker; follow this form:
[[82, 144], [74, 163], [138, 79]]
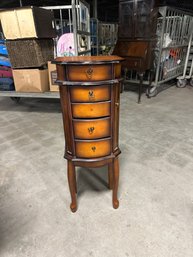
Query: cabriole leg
[[72, 185], [110, 175], [116, 182]]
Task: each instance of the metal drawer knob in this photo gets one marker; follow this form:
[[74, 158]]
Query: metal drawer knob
[[91, 130], [94, 148], [89, 72], [91, 95]]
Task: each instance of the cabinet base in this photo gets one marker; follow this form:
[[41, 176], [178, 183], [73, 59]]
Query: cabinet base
[[113, 177]]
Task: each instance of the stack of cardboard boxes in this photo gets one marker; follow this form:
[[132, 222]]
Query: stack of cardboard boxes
[[29, 33]]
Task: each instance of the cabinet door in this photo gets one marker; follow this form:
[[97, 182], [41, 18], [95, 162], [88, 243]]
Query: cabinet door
[[145, 19], [126, 23]]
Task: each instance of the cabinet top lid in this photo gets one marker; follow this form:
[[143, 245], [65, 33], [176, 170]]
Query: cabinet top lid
[[88, 59]]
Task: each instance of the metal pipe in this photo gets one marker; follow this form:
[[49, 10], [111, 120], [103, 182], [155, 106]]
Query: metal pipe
[[95, 10], [74, 20], [61, 22], [160, 47], [187, 56]]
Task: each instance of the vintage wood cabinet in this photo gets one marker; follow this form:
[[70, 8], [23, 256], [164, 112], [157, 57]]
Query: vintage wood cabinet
[[90, 93], [137, 35], [137, 19]]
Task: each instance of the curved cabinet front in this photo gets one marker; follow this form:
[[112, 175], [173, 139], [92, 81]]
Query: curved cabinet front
[[93, 148], [89, 72], [92, 128], [89, 95], [91, 110], [83, 94]]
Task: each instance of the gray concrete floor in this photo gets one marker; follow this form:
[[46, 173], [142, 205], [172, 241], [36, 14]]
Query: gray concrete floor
[[155, 217]]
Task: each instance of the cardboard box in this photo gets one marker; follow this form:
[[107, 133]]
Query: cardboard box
[[52, 73], [30, 53], [27, 22], [31, 80]]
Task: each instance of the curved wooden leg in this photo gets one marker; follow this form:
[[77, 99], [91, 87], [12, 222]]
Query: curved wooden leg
[[110, 174], [75, 185], [116, 182], [72, 185]]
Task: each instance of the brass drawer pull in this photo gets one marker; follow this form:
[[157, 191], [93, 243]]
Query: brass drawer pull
[[91, 95], [94, 148], [91, 130], [89, 72]]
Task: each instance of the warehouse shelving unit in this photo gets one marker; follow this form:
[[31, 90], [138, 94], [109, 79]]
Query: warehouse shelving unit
[[103, 37], [14, 94], [77, 17], [174, 28]]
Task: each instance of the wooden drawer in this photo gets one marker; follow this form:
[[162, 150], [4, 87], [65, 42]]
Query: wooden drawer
[[93, 149], [89, 72], [92, 129], [90, 94], [91, 110], [132, 63]]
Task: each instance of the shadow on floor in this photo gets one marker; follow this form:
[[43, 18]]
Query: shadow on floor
[[30, 105], [134, 87], [92, 180]]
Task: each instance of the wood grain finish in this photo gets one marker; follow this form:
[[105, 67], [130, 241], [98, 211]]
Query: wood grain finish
[[89, 72], [90, 93], [117, 68], [91, 129], [115, 115], [137, 44], [60, 72], [91, 110], [72, 185], [93, 149], [110, 175], [66, 110], [131, 49], [88, 59], [116, 182]]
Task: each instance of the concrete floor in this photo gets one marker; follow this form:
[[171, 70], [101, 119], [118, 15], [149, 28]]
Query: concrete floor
[[155, 217]]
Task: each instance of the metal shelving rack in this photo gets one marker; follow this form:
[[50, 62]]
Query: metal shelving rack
[[77, 17], [174, 28], [103, 37], [94, 36], [107, 33]]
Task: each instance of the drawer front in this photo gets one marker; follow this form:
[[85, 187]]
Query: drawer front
[[89, 72], [134, 64], [91, 110], [90, 94], [117, 68], [91, 129], [93, 149]]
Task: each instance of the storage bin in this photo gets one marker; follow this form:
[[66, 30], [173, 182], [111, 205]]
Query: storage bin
[[30, 53], [27, 22]]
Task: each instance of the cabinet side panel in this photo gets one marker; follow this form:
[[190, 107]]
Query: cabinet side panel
[[115, 116], [61, 72], [67, 120]]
